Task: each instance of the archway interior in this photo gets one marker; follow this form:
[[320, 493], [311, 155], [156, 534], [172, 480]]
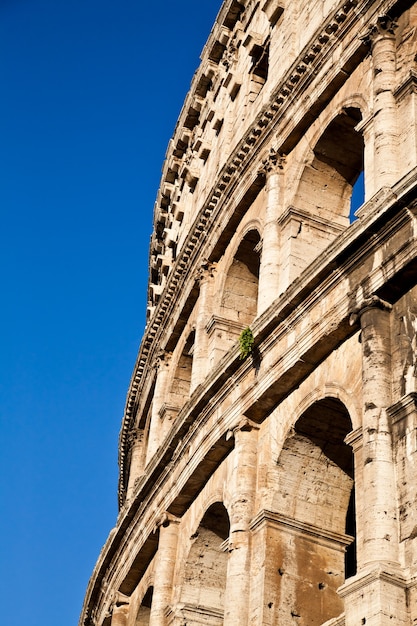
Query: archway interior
[[180, 388], [316, 491], [240, 296], [204, 580], [327, 183], [143, 616]]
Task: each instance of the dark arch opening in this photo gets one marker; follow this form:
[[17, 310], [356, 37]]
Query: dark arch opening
[[327, 183], [204, 579], [240, 296], [143, 616], [180, 388], [316, 491]]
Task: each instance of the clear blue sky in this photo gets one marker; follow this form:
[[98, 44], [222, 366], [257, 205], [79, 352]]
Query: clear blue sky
[[90, 93]]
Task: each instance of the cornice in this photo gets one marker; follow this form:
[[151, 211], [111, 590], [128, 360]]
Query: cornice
[[303, 71], [298, 527]]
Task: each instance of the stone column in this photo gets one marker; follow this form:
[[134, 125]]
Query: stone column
[[137, 458], [377, 594], [164, 568], [205, 311], [383, 44], [243, 488], [160, 394], [120, 610], [380, 524], [270, 259]]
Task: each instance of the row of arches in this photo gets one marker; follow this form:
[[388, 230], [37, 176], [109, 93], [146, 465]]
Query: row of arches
[[310, 545], [331, 186], [329, 189]]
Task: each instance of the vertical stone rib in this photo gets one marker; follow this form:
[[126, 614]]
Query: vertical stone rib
[[164, 570], [270, 259], [241, 513], [160, 393], [137, 460], [200, 358], [383, 43], [380, 526]]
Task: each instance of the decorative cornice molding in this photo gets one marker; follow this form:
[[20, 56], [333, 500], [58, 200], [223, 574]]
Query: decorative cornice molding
[[135, 437], [406, 406], [354, 439], [383, 27], [206, 271], [382, 572], [222, 323], [407, 87], [298, 527]]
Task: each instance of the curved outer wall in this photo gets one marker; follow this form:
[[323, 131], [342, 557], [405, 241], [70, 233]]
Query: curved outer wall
[[278, 486]]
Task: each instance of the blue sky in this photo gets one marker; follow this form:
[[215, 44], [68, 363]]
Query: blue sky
[[90, 93]]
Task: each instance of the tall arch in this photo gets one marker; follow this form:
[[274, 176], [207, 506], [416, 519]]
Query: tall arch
[[315, 503], [181, 382], [204, 579], [143, 615], [240, 293], [326, 184], [239, 298]]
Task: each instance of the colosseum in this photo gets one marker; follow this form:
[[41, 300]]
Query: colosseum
[[268, 450]]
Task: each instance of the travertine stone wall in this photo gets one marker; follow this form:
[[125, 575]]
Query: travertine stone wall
[[279, 488]]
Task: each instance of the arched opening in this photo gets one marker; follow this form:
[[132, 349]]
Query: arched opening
[[326, 184], [316, 495], [180, 388], [240, 296], [204, 582], [143, 616], [322, 203]]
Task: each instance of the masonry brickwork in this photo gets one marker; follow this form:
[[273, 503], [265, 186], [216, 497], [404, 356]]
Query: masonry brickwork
[[280, 488]]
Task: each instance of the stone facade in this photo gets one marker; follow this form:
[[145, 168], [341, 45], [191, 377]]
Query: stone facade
[[278, 489]]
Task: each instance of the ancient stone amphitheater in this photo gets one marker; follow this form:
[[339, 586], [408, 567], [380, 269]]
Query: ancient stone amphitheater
[[269, 477]]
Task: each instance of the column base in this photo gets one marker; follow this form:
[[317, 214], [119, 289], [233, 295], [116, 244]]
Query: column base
[[376, 597]]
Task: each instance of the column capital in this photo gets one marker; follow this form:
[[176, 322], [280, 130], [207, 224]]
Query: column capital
[[244, 425], [383, 28], [163, 357], [205, 271], [119, 599], [134, 436], [165, 520], [273, 163], [371, 302]]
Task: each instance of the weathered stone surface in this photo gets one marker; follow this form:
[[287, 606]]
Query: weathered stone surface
[[279, 489]]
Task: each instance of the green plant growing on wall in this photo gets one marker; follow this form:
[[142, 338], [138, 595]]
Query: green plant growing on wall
[[246, 341]]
